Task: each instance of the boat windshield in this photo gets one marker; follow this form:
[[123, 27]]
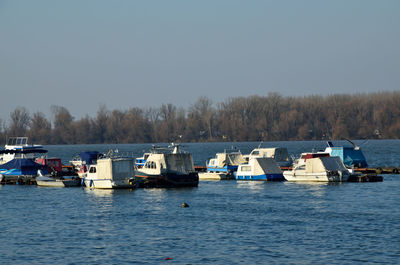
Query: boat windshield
[[17, 141]]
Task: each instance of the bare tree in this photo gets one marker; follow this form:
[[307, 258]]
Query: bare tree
[[20, 121]]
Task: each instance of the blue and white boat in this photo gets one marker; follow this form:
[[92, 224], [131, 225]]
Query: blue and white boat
[[18, 147], [223, 165], [24, 169], [259, 168], [17, 160], [352, 156]]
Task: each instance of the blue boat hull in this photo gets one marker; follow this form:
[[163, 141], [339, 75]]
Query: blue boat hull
[[264, 177]]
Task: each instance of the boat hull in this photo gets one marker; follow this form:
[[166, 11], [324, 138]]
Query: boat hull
[[214, 176], [108, 184], [168, 180], [314, 177], [263, 177], [61, 183]]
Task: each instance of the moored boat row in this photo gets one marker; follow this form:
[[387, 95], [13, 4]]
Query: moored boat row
[[164, 167]]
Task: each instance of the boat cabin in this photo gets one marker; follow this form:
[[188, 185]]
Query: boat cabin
[[352, 156], [225, 162], [177, 163], [280, 154]]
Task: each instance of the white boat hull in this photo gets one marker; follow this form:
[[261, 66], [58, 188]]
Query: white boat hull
[[315, 177], [61, 183], [212, 176], [107, 184]]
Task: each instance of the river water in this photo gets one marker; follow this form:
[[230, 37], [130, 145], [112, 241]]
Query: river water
[[228, 222]]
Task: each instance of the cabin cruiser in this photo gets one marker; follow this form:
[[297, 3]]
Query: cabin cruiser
[[318, 168], [55, 181], [223, 165], [279, 154], [259, 168], [17, 160], [167, 167], [18, 147], [352, 156], [110, 172]]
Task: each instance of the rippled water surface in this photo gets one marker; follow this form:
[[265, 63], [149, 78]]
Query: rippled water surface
[[228, 222]]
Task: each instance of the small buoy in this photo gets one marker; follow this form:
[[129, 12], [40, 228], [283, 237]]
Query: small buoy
[[168, 258], [184, 205]]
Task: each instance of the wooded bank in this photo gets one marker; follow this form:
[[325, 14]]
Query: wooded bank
[[256, 118]]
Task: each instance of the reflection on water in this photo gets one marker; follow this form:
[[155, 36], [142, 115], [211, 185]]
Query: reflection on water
[[253, 186], [100, 192], [154, 198]]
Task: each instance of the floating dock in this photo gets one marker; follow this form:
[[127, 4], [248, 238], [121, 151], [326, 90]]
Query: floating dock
[[365, 178]]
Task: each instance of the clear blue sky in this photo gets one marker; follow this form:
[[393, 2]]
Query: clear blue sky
[[83, 53]]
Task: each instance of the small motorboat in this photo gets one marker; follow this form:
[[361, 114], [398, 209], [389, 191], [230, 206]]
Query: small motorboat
[[48, 181], [352, 156], [260, 168], [223, 165], [111, 172], [167, 168], [321, 168]]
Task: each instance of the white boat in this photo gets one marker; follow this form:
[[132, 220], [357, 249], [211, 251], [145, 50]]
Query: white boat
[[167, 167], [110, 173], [47, 181], [279, 154], [260, 168], [18, 147], [325, 169], [223, 165]]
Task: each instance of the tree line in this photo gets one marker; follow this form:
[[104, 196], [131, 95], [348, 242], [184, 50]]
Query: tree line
[[256, 118]]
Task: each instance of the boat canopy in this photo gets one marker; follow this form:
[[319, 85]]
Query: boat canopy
[[233, 159], [350, 156], [181, 163], [260, 166], [279, 153], [115, 168], [22, 166], [90, 157], [323, 164]]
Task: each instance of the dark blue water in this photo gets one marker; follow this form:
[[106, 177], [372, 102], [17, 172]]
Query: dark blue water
[[227, 222]]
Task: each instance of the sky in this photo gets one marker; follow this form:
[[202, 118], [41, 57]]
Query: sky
[[81, 54]]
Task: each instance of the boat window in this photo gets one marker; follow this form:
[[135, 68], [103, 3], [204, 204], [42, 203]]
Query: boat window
[[92, 170], [246, 168], [255, 152]]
